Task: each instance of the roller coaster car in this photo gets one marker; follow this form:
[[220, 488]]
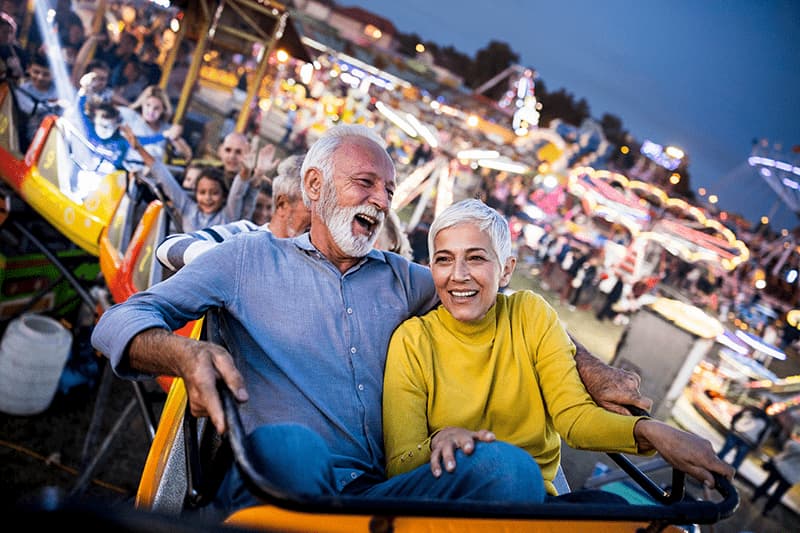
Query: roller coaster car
[[140, 222], [57, 176], [188, 460]]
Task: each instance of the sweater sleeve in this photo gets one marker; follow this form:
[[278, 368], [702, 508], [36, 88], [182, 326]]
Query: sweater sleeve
[[582, 423], [180, 249], [405, 397], [249, 201]]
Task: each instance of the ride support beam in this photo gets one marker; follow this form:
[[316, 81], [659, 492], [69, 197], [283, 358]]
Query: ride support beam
[[255, 84], [169, 61], [197, 60]]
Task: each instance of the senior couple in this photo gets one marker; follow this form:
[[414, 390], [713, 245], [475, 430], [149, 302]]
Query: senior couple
[[479, 386]]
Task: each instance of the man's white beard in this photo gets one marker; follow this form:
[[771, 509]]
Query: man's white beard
[[340, 222]]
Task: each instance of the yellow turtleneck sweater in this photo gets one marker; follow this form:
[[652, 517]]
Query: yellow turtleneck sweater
[[512, 372]]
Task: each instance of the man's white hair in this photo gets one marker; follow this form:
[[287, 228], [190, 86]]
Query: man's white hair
[[289, 181], [320, 155]]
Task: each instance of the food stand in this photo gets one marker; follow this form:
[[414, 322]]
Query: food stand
[[663, 343]]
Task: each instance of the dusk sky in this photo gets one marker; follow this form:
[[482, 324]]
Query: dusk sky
[[708, 76]]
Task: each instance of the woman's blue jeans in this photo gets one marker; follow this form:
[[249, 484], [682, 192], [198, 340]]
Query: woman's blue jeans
[[299, 461]]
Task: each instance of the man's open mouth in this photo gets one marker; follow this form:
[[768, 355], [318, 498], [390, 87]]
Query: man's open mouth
[[367, 222]]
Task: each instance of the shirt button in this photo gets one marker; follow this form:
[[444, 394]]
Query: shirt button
[[353, 349], [349, 310], [353, 475], [360, 386]]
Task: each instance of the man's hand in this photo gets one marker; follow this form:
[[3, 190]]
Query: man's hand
[[445, 443], [610, 387], [199, 363], [685, 451]]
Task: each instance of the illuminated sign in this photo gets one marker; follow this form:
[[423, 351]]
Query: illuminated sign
[[660, 155]]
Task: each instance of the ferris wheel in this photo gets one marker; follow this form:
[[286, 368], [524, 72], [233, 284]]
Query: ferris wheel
[[781, 171]]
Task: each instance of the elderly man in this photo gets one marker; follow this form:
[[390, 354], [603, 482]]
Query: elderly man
[[290, 215], [310, 320], [237, 158]]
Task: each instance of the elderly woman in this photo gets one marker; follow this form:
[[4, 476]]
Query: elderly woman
[[485, 369]]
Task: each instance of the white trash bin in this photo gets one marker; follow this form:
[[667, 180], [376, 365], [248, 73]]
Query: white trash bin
[[33, 352]]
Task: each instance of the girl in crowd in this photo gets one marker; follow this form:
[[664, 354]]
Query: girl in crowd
[[262, 213], [148, 116], [210, 204], [489, 370]]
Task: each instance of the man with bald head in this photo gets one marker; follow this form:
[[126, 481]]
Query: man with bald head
[[235, 154], [232, 151], [309, 320]]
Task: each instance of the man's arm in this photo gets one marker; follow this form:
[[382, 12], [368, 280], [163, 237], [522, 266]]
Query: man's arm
[[199, 363], [610, 387], [180, 249]]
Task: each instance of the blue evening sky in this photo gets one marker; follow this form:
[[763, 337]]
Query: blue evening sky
[[708, 76]]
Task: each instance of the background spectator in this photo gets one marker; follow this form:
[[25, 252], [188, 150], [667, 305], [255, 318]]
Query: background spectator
[[11, 53], [784, 473], [749, 427]]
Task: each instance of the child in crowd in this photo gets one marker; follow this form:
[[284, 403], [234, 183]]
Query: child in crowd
[[190, 175], [211, 202], [103, 132], [263, 209], [148, 116], [36, 96]]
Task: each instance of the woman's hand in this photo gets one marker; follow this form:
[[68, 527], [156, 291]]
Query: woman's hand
[[445, 443], [683, 450]]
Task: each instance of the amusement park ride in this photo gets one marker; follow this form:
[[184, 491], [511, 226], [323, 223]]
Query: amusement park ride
[[117, 220]]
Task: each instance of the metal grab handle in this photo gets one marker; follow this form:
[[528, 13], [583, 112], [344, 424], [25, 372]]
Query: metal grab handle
[[236, 438], [651, 487]]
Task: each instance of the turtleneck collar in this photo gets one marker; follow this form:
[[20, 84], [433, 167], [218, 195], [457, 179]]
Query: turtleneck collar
[[475, 332]]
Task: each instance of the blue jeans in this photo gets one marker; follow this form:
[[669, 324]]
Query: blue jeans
[[299, 461], [742, 449]]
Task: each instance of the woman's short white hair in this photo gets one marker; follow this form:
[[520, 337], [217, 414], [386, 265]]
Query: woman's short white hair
[[476, 212], [320, 155]]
